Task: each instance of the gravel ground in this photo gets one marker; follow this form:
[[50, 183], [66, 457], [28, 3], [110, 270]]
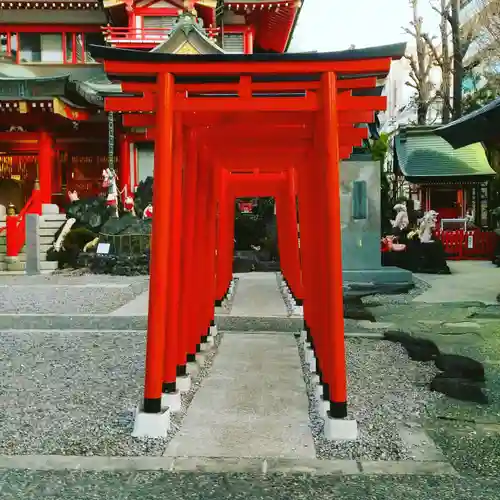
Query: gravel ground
[[385, 389], [73, 393], [63, 294], [403, 298], [78, 485]]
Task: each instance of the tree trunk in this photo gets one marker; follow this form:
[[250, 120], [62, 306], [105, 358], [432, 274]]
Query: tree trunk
[[446, 70], [458, 56]]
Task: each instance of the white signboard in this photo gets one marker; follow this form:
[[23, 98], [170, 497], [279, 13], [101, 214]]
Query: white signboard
[[103, 248], [470, 241]]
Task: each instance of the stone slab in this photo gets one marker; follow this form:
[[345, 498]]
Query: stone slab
[[218, 465], [405, 467], [253, 404], [470, 281], [257, 294]]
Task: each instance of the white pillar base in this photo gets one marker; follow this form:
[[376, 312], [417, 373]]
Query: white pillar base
[[205, 346], [309, 355], [211, 341], [314, 378], [298, 311], [319, 391], [201, 358], [338, 429], [312, 364], [171, 400], [151, 425], [214, 331], [303, 336], [183, 383], [192, 369], [323, 407]]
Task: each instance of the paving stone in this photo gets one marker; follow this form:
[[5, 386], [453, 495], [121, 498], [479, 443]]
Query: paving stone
[[374, 326], [463, 324], [407, 467]]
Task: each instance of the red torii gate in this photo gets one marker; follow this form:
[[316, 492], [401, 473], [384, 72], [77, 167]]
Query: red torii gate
[[191, 94]]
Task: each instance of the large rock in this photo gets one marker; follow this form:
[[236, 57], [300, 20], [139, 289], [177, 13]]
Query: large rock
[[143, 195], [90, 213], [117, 226]]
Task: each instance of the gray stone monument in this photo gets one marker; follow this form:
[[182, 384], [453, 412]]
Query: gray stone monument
[[361, 223], [33, 244]]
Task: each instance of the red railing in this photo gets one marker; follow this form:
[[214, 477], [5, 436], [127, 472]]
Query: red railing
[[468, 245], [15, 227], [145, 35]]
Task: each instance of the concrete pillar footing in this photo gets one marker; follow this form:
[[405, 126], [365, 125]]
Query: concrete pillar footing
[[171, 400], [338, 429], [192, 369], [151, 425], [319, 391], [205, 347], [323, 407], [309, 355], [312, 364], [183, 383], [201, 359]]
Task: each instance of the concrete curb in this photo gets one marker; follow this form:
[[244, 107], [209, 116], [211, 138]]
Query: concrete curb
[[348, 335], [225, 465], [105, 322]]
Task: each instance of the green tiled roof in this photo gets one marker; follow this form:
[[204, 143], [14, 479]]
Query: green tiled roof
[[422, 154]]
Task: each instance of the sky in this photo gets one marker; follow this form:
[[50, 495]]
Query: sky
[[329, 25]]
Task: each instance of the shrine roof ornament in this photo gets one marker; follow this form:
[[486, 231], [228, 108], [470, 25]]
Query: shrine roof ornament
[[187, 37]]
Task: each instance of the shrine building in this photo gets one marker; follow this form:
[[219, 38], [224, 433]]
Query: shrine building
[[53, 127]]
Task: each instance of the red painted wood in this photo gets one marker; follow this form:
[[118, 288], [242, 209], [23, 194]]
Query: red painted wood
[[456, 244], [147, 120], [189, 293], [49, 28], [237, 68], [157, 312], [173, 254], [335, 364], [46, 159], [354, 83]]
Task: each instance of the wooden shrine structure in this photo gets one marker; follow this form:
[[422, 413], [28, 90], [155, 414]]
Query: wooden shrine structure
[[287, 120]]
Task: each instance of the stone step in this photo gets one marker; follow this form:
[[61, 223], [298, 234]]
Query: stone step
[[48, 265], [52, 225], [44, 266], [58, 217], [44, 232], [22, 257]]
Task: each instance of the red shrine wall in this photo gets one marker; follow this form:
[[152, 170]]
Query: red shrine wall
[[74, 168]]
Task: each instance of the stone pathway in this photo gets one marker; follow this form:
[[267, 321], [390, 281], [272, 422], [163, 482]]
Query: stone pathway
[[470, 281], [257, 294], [253, 404]]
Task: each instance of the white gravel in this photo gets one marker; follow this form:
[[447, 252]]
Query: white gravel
[[74, 393], [62, 294], [384, 388]]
